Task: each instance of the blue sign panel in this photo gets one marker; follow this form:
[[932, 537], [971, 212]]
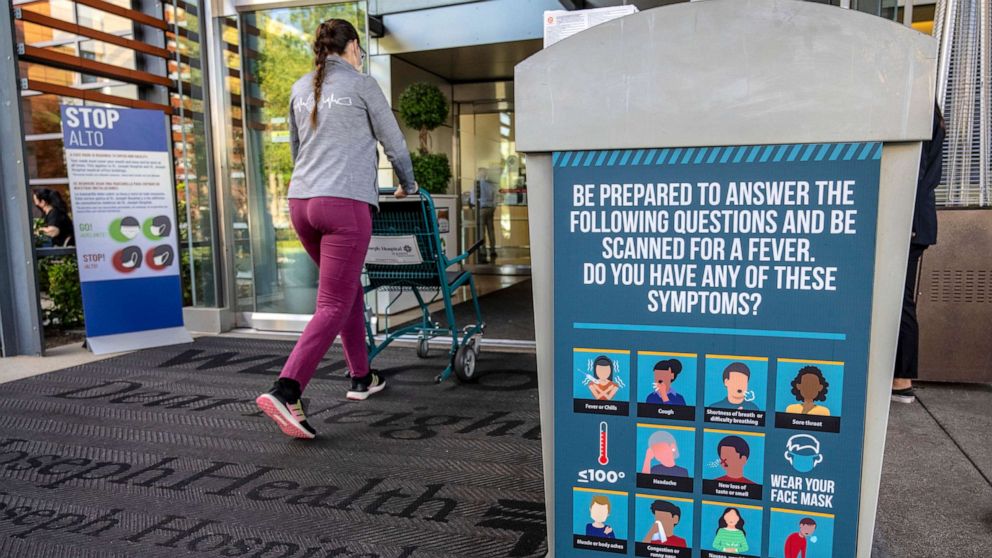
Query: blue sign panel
[[712, 317], [123, 203]]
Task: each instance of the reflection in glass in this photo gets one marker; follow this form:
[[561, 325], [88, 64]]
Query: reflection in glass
[[195, 204], [234, 180], [487, 143], [46, 159], [276, 52]]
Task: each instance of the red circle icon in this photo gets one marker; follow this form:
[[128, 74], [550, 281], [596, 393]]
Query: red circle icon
[[127, 260], [159, 258]]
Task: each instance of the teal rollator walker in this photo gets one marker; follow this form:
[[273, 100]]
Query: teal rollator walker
[[406, 254]]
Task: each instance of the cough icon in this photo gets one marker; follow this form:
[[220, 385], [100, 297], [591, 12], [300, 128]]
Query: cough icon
[[803, 452], [128, 259]]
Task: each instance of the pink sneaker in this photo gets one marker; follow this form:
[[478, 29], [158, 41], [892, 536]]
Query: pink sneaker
[[290, 417]]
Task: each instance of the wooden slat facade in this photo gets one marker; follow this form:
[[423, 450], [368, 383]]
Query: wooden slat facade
[[93, 95], [58, 24], [92, 67], [133, 15]]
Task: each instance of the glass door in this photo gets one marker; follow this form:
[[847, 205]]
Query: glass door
[[275, 52], [493, 186]]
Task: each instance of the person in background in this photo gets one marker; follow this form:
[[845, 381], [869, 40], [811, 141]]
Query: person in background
[[58, 224], [484, 194], [337, 116], [924, 236]]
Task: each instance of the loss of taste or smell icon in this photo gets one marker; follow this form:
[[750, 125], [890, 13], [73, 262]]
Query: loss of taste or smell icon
[[604, 440]]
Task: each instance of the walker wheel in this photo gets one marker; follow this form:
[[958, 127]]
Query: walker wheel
[[465, 363], [423, 347]]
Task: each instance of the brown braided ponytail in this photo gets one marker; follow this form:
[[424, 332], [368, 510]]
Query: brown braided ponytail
[[332, 37]]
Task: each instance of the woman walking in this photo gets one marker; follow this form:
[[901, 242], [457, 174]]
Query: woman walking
[[337, 116]]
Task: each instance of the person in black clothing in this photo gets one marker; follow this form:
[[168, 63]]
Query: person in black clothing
[[58, 225], [924, 236]]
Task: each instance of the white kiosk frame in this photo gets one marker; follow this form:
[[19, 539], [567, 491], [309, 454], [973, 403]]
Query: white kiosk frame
[[735, 72]]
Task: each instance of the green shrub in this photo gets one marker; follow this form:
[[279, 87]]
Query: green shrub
[[423, 107], [42, 274], [432, 171], [65, 292]]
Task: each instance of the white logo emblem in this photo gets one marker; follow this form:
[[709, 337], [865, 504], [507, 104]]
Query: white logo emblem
[[306, 105]]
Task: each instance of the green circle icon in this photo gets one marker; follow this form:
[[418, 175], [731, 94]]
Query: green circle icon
[[157, 228], [124, 229]]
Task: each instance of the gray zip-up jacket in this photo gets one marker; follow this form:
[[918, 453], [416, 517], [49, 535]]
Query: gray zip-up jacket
[[339, 158]]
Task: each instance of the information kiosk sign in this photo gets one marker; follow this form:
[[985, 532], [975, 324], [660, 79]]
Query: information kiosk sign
[[712, 319], [124, 212]]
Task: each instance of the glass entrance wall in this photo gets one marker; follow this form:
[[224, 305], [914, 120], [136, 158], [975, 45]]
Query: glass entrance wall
[[275, 50], [487, 152]]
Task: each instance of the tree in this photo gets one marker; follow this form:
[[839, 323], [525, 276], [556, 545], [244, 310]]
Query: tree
[[423, 107]]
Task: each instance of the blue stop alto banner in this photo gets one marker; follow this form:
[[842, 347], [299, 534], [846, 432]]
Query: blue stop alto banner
[[124, 213], [712, 318]]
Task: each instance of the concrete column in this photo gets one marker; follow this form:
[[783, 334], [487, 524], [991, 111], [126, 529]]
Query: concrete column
[[381, 68], [20, 312]]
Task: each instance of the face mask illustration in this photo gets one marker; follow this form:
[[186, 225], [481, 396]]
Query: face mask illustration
[[163, 258], [131, 260], [160, 226], [127, 260], [803, 452]]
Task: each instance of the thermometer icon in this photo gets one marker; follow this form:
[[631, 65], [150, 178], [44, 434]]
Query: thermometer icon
[[603, 441]]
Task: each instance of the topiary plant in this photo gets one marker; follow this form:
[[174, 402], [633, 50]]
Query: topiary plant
[[423, 107], [432, 171]]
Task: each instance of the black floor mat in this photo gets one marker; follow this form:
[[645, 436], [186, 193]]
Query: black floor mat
[[508, 313], [162, 453]]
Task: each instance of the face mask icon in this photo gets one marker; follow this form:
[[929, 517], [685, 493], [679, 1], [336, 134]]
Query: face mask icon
[[163, 258], [158, 227], [803, 452], [127, 260], [129, 232], [131, 260]]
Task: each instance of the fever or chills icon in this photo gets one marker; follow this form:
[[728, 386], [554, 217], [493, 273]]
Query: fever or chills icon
[[604, 457]]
